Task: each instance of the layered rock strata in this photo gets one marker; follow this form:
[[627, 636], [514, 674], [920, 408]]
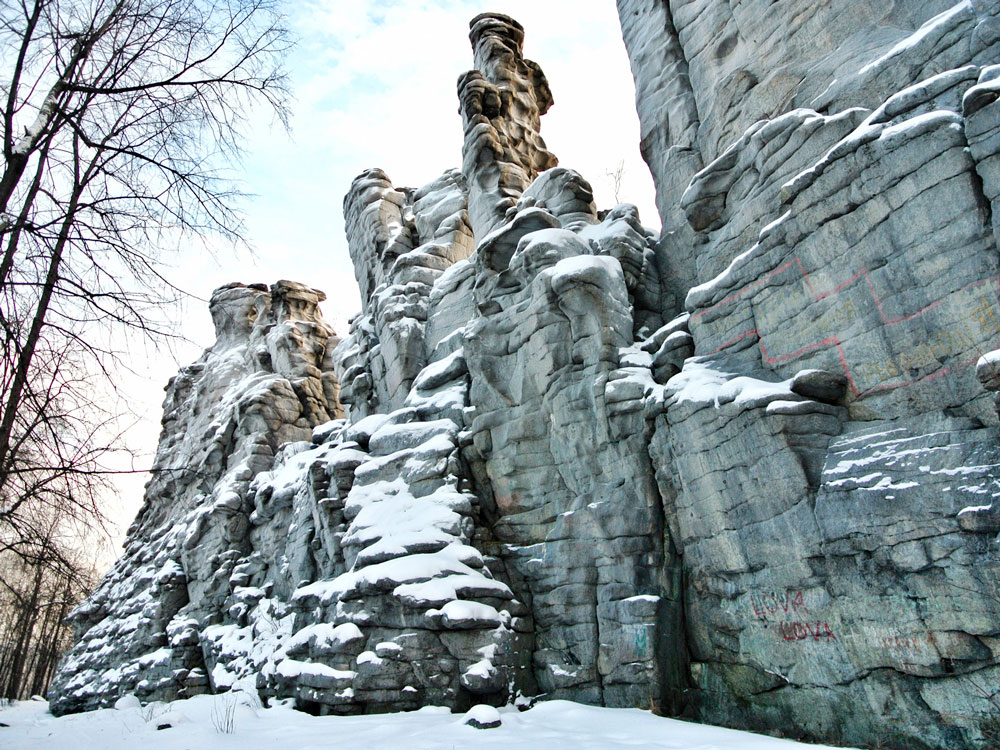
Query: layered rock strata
[[401, 243], [824, 185], [744, 470]]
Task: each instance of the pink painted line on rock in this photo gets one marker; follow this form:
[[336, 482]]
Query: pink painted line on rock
[[842, 356], [829, 293], [748, 287], [751, 332], [833, 340], [798, 352], [933, 376]]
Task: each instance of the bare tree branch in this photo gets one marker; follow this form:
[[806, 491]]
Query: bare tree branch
[[121, 122]]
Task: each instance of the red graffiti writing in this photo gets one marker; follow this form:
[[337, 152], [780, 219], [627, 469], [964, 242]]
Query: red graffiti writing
[[770, 602], [901, 643], [801, 631]]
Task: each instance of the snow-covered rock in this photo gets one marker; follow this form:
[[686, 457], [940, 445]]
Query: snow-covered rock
[[266, 381], [827, 179], [482, 717]]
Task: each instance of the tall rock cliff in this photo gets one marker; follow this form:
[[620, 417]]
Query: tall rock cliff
[[265, 382], [742, 470], [825, 174]]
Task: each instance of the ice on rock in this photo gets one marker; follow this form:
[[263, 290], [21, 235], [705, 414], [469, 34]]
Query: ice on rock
[[388, 649], [437, 591], [701, 382]]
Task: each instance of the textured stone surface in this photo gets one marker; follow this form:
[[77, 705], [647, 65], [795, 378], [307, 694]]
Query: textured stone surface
[[707, 70], [560, 429], [746, 470], [825, 174], [401, 242], [265, 381], [501, 103]]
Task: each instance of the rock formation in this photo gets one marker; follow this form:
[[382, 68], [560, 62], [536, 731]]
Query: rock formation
[[502, 101], [744, 470], [266, 381]]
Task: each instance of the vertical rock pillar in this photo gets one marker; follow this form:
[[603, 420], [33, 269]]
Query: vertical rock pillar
[[501, 103]]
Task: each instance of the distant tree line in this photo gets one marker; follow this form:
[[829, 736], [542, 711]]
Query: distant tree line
[[35, 597]]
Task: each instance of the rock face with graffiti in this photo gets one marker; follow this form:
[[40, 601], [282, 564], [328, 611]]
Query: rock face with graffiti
[[745, 469], [828, 457]]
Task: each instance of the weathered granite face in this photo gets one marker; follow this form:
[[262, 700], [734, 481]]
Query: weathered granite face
[[826, 178], [501, 103], [707, 70], [267, 380], [389, 562], [559, 429], [773, 508], [401, 242]]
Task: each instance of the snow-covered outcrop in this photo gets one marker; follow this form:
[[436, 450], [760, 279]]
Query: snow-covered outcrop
[[266, 381], [745, 470]]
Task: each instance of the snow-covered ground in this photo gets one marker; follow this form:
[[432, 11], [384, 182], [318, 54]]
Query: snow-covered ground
[[200, 723]]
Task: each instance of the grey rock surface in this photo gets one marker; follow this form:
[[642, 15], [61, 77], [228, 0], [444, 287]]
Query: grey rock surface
[[401, 242], [501, 103], [825, 175], [559, 427], [744, 471]]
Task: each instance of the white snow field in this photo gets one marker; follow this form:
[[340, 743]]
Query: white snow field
[[202, 721]]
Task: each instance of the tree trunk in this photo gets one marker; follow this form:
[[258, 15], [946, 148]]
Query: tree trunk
[[26, 625], [27, 353]]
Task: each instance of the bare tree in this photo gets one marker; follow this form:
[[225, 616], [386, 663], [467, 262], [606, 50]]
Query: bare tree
[[35, 597], [615, 176], [121, 119]]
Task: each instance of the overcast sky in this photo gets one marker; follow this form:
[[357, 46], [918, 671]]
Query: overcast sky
[[374, 83]]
